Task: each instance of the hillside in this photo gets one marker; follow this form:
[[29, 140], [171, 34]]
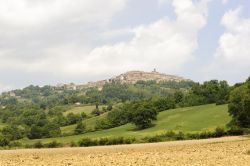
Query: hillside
[[131, 77], [131, 85], [188, 120]]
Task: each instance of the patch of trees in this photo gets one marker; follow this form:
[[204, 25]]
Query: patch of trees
[[140, 113], [213, 91], [239, 105], [29, 120], [143, 112], [48, 97]]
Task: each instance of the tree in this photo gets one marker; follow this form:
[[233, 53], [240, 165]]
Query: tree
[[164, 103], [4, 141], [80, 128], [239, 105], [178, 97], [143, 114], [13, 132], [36, 132], [73, 118]]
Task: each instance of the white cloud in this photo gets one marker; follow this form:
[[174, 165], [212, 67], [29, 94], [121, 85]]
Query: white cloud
[[24, 15], [233, 55], [224, 2], [163, 2], [166, 44]]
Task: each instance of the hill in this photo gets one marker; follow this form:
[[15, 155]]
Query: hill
[[131, 77], [188, 120]]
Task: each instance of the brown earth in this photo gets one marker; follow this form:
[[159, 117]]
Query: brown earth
[[220, 151]]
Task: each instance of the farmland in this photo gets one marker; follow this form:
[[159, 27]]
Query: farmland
[[220, 151]]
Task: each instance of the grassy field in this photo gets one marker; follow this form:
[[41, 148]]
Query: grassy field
[[79, 109], [190, 119], [90, 124]]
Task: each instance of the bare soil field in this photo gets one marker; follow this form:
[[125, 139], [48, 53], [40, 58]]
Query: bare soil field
[[220, 151]]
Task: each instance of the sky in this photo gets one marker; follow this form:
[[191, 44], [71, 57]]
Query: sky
[[46, 42]]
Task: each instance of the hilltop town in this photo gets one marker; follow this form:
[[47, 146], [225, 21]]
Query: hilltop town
[[129, 77]]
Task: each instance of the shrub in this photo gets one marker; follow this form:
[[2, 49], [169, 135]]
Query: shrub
[[102, 124], [156, 138], [4, 141], [103, 141], [180, 136], [85, 142], [205, 134], [170, 134], [28, 146], [15, 144], [80, 128], [38, 145], [235, 131], [129, 140], [115, 141], [73, 144], [219, 132], [53, 144]]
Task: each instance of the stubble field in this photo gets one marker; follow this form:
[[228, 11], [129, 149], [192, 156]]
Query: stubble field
[[220, 151]]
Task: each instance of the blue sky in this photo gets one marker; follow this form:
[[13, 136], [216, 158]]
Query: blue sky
[[62, 41]]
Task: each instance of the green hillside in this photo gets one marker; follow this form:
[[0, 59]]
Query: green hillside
[[79, 109], [189, 119]]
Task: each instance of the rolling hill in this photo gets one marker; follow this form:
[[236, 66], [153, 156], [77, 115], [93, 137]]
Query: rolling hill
[[188, 120]]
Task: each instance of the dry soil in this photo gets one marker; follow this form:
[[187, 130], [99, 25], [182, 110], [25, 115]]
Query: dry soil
[[228, 151]]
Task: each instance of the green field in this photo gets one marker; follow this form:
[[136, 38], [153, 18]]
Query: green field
[[90, 124], [79, 109], [189, 119]]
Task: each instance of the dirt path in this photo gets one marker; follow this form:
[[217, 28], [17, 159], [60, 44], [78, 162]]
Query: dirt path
[[220, 151]]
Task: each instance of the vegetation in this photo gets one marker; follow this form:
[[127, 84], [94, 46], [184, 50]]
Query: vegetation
[[196, 119], [141, 111], [239, 106]]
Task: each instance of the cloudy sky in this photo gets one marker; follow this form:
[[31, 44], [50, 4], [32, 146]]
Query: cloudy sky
[[61, 41]]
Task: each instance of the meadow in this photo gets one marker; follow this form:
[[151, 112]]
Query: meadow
[[188, 120]]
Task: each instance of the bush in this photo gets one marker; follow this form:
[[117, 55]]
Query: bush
[[170, 134], [129, 140], [103, 141], [73, 144], [156, 138], [28, 146], [38, 145], [205, 134], [219, 132], [102, 124], [85, 142], [235, 131], [15, 144], [80, 128], [53, 144], [180, 136], [4, 141], [116, 141]]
